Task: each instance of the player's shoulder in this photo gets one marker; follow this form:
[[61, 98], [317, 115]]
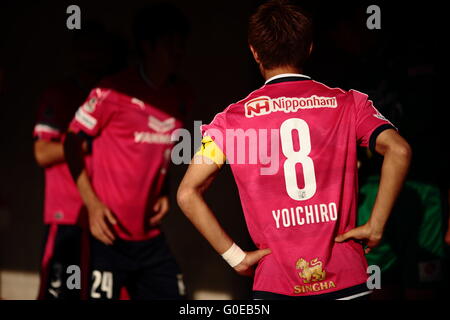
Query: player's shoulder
[[351, 96], [333, 90]]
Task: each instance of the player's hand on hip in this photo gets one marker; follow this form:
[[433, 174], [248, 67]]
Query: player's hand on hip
[[246, 267], [100, 220], [161, 207], [365, 234]]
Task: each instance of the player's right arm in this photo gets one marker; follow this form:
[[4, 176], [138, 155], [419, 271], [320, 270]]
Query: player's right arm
[[199, 176], [99, 213], [87, 123]]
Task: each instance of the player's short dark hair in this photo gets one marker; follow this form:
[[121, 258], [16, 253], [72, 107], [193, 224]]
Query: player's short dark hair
[[281, 34], [157, 21]]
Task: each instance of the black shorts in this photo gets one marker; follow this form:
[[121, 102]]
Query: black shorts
[[358, 292], [64, 268], [146, 269]]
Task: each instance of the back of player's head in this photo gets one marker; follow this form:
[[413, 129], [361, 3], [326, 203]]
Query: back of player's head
[[158, 21], [281, 34]]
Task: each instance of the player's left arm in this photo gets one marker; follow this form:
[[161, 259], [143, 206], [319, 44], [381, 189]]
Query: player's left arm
[[397, 157], [162, 204], [200, 174]]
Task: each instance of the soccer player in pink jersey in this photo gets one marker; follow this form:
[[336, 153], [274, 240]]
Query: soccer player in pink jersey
[[131, 116], [292, 146], [66, 235]]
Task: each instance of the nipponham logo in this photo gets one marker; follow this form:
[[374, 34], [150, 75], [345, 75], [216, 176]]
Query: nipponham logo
[[264, 105]]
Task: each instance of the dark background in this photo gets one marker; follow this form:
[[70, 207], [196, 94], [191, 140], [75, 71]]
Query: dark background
[[396, 66]]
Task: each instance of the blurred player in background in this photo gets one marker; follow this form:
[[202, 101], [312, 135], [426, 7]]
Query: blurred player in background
[[302, 215], [130, 117], [92, 49]]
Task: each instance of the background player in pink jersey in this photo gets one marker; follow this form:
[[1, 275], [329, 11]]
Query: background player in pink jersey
[[131, 117], [292, 148], [65, 224]]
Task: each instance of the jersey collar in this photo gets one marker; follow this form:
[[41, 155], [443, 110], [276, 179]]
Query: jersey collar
[[285, 77]]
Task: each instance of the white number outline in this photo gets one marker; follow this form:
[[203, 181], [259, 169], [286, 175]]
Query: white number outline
[[301, 156]]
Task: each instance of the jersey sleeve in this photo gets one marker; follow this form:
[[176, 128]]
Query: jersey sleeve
[[93, 115], [210, 150], [216, 131], [369, 121], [47, 126]]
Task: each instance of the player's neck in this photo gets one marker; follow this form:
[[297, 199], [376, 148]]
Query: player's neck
[[267, 74]]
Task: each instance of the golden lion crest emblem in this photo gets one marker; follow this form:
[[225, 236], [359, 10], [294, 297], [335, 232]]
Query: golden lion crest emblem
[[310, 271]]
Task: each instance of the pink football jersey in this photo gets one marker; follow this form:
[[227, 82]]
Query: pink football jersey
[[292, 148], [132, 126], [58, 104]]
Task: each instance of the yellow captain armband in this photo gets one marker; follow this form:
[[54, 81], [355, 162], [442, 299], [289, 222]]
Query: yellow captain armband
[[210, 150]]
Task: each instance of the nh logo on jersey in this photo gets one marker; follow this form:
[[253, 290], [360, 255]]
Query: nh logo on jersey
[[161, 126], [264, 105], [258, 106], [313, 275]]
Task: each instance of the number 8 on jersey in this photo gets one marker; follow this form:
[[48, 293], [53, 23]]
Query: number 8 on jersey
[[301, 156]]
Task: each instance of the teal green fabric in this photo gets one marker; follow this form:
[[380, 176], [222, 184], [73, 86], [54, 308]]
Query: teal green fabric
[[415, 227]]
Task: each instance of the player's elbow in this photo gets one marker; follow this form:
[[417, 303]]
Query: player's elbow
[[185, 196], [40, 154], [402, 151]]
